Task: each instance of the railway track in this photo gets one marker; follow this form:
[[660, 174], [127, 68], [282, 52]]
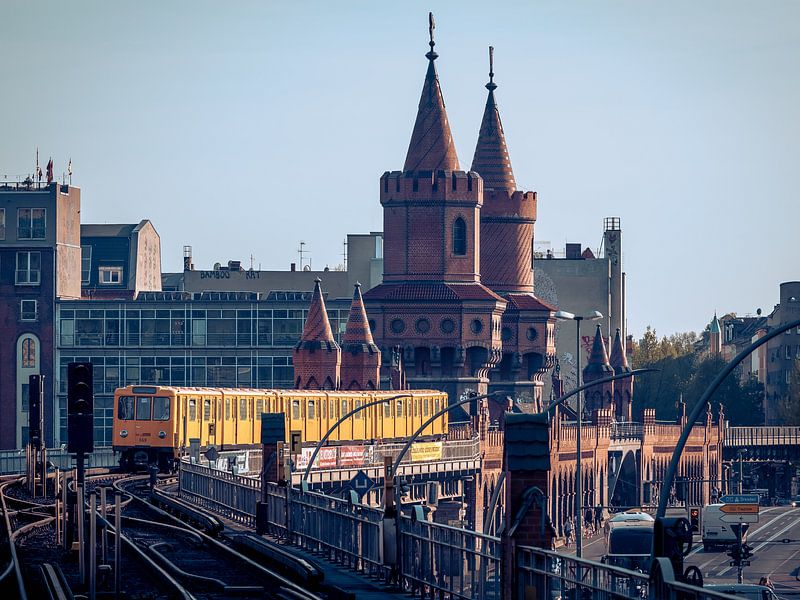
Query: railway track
[[195, 565]]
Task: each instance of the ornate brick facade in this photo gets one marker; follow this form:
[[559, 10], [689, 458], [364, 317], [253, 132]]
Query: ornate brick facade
[[317, 356], [361, 358], [623, 388]]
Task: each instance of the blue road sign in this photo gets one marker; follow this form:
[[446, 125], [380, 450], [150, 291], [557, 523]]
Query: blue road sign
[[361, 483], [739, 499]]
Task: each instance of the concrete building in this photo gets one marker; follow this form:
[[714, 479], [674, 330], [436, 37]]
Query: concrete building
[[578, 281], [782, 353]]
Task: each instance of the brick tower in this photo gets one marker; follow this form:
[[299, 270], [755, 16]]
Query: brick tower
[[508, 216], [317, 356], [361, 359], [623, 388], [598, 367], [431, 303]]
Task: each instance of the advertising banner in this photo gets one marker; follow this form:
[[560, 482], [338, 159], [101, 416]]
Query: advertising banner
[[426, 451], [326, 459], [355, 456]]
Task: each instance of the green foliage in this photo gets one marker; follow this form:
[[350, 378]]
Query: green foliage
[[686, 374]]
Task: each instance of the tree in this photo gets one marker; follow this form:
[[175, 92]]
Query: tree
[[788, 406]]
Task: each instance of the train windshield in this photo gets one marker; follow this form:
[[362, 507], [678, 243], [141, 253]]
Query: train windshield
[[143, 404], [125, 408], [630, 540], [161, 408]]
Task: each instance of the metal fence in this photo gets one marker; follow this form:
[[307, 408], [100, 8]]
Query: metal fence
[[13, 461], [547, 574], [447, 562], [232, 496], [762, 436], [626, 430]]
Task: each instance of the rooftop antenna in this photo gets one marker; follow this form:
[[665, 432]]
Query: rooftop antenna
[[302, 252], [344, 253], [251, 261]]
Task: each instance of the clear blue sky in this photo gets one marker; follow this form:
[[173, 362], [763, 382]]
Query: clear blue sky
[[243, 127]]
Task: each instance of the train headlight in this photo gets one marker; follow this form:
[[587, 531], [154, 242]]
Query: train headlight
[[123, 433], [162, 434]]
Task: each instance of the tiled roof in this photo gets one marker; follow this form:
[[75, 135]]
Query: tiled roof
[[440, 292], [431, 147], [317, 330], [491, 159], [528, 302], [618, 359], [357, 331]]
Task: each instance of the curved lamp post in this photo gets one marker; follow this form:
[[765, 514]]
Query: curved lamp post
[[330, 431], [698, 408], [427, 423]]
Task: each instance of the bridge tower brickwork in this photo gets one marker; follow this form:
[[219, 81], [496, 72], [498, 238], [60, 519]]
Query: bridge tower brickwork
[[600, 396], [623, 388], [361, 358], [317, 356]]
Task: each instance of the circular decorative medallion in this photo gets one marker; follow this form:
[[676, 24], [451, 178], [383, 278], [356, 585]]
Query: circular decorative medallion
[[422, 325], [447, 326], [398, 326], [531, 333], [476, 326]]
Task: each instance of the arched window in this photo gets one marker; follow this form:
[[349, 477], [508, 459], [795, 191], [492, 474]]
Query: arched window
[[28, 358], [459, 237]]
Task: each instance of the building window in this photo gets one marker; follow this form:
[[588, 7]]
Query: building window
[[86, 264], [27, 310], [459, 237], [30, 223], [476, 326], [28, 353], [2, 223], [28, 268], [110, 275]]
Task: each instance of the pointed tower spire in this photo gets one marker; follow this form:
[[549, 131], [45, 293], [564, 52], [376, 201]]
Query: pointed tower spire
[[431, 147], [491, 159], [317, 356], [599, 356], [618, 359], [361, 358], [600, 396]]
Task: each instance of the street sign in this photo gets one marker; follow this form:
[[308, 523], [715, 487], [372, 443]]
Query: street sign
[[739, 499], [740, 518], [361, 483], [741, 509]]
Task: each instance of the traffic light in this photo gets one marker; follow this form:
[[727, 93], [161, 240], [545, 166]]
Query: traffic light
[[694, 519], [747, 551], [35, 393], [80, 408], [735, 552]]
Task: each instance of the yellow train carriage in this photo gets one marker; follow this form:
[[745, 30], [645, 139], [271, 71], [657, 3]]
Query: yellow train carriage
[[154, 424]]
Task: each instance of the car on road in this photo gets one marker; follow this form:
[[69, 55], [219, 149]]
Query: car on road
[[743, 590], [629, 543], [796, 501]]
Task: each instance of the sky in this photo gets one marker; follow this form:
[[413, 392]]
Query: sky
[[242, 128]]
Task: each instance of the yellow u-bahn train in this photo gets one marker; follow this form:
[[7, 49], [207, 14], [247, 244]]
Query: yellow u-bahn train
[[153, 424]]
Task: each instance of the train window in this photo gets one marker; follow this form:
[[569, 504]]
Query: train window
[[295, 409], [426, 407], [227, 409], [192, 410], [345, 408], [399, 408], [323, 409], [259, 408], [243, 408], [312, 410], [417, 407], [358, 405], [207, 409], [125, 408], [387, 409], [161, 406], [143, 406], [333, 409]]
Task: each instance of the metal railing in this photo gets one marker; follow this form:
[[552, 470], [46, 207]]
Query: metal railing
[[626, 431], [13, 461], [762, 436], [232, 496], [548, 574], [448, 562]]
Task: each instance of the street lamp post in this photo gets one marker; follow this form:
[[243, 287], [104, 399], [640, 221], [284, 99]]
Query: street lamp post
[[741, 454], [567, 316]]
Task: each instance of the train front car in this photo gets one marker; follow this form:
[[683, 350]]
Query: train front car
[[144, 426]]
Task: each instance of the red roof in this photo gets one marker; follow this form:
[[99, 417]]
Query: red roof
[[436, 292], [528, 302]]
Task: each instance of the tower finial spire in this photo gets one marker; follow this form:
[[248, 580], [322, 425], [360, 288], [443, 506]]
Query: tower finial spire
[[431, 26], [491, 86]]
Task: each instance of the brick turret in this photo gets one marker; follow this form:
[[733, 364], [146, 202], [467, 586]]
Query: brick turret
[[508, 215], [598, 367], [317, 356], [361, 358], [623, 388]]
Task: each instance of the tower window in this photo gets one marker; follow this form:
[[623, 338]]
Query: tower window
[[459, 237]]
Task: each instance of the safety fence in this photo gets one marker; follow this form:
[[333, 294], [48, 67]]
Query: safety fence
[[233, 496], [547, 574], [762, 436], [13, 461]]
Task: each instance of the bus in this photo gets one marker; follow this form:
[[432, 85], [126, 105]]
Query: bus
[[629, 543]]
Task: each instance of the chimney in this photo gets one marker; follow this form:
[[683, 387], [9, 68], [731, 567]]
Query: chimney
[[188, 265], [293, 267]]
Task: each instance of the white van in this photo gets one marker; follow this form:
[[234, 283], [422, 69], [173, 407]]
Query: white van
[[715, 532]]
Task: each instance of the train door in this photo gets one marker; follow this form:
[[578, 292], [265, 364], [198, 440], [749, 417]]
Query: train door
[[208, 413], [182, 422], [312, 419]]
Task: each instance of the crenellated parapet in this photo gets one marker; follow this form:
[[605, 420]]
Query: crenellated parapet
[[431, 186], [503, 207]]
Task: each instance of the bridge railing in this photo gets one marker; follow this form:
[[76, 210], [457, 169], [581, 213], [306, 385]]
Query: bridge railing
[[448, 562], [626, 431], [451, 450], [762, 436], [13, 461], [547, 574], [232, 496]]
